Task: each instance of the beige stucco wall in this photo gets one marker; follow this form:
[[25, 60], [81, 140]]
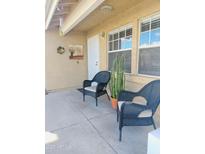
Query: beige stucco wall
[[61, 72], [130, 16]]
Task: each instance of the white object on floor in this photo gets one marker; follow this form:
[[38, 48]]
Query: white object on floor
[[154, 142], [50, 137], [91, 88]]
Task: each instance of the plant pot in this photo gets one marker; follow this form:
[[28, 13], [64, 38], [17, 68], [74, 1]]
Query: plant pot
[[114, 103]]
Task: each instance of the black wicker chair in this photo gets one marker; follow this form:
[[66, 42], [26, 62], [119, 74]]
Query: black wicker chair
[[132, 114], [101, 79]]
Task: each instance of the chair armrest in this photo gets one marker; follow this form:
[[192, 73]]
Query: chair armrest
[[100, 86], [87, 83], [127, 95], [132, 109]]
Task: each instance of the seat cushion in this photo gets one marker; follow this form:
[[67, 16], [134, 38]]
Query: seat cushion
[[91, 88], [145, 114], [120, 104], [94, 83], [139, 100]]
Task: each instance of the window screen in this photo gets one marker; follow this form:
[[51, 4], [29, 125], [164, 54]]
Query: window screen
[[149, 47], [127, 55], [149, 61], [120, 43]]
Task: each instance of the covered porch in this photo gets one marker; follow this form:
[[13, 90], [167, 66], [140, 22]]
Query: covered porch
[[84, 128], [101, 29]]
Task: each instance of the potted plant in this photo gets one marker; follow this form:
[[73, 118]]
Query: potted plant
[[117, 81]]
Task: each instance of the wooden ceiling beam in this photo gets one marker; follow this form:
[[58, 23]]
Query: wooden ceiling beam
[[82, 10], [50, 12], [61, 13], [66, 4]]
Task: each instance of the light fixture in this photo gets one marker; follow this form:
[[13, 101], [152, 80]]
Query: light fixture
[[106, 8], [58, 9], [102, 34]]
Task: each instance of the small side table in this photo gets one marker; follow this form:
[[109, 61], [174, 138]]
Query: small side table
[[154, 142]]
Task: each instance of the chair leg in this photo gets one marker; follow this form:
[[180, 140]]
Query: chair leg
[[153, 124], [83, 96], [120, 127], [108, 96], [117, 114], [120, 134], [96, 99]]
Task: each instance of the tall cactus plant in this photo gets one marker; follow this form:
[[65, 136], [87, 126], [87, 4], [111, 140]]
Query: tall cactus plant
[[117, 82]]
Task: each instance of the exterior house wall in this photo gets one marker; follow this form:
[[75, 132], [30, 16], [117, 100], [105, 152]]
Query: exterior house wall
[[61, 72], [130, 16]]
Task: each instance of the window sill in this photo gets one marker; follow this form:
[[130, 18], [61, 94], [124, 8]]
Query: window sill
[[141, 75], [148, 76]]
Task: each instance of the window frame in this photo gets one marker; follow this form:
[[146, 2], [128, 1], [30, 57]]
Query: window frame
[[118, 30], [143, 19]]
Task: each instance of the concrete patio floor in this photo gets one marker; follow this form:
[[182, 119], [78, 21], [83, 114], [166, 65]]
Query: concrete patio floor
[[83, 128]]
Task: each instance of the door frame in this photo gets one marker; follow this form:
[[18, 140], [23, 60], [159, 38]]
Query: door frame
[[98, 55]]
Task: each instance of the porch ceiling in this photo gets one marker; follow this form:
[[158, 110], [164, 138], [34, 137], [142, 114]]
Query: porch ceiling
[[66, 14], [98, 15], [61, 13], [58, 10]]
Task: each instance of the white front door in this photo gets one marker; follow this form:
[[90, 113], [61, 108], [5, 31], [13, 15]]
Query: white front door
[[93, 56]]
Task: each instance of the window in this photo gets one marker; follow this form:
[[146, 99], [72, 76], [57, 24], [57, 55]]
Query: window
[[149, 47], [120, 43]]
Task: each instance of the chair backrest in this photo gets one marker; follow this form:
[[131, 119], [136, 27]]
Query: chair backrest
[[102, 77], [151, 92]]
